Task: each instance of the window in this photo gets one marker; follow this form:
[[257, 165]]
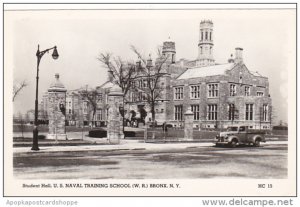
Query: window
[[162, 110], [85, 107], [265, 112], [201, 35], [259, 93], [173, 58], [145, 84], [156, 110], [70, 104], [210, 35], [99, 97], [232, 90], [70, 111], [142, 96], [249, 112], [242, 129], [133, 97], [212, 113], [247, 90], [201, 50], [195, 110], [178, 112], [140, 83], [206, 35], [231, 112], [99, 115], [213, 90], [195, 92], [178, 93]]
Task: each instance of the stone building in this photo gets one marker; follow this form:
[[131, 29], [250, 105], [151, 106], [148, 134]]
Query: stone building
[[219, 95], [79, 108]]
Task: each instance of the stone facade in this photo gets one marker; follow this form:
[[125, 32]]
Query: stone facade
[[115, 120], [56, 110], [234, 94]]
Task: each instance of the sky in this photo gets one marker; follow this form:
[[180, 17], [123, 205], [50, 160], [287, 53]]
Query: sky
[[267, 37]]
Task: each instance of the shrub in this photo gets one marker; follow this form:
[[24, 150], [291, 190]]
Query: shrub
[[100, 133], [129, 134], [41, 137]]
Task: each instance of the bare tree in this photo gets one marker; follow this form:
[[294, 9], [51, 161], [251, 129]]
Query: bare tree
[[17, 88], [152, 73], [92, 97], [123, 73]]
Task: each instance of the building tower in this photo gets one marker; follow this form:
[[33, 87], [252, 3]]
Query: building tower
[[169, 50], [205, 45]]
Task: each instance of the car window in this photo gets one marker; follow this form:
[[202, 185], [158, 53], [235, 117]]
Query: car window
[[242, 129], [232, 129]]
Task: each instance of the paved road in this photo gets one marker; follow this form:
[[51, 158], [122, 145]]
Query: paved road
[[142, 160]]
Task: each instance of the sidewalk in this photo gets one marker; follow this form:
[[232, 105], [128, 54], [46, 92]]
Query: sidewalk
[[124, 145]]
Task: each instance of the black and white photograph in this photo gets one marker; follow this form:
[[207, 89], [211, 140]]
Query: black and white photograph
[[149, 100]]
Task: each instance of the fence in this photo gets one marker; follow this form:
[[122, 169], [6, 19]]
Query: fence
[[175, 134]]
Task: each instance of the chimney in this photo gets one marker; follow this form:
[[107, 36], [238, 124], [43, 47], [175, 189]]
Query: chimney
[[238, 55]]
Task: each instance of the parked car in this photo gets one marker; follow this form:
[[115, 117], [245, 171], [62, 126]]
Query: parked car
[[240, 135]]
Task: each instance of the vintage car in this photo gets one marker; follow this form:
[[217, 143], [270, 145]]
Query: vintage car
[[240, 135]]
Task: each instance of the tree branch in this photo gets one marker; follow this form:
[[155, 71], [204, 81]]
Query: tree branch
[[18, 88]]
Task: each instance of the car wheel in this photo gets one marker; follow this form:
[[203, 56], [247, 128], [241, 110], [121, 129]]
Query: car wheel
[[233, 143], [257, 143]]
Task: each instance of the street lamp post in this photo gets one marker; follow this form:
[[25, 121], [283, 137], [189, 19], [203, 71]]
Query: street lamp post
[[39, 55]]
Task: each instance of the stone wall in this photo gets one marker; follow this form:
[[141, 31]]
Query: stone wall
[[239, 76]]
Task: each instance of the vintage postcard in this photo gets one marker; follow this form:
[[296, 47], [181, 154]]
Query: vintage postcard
[[149, 100]]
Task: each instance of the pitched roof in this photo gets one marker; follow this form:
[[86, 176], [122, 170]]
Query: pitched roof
[[206, 71]]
